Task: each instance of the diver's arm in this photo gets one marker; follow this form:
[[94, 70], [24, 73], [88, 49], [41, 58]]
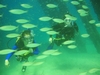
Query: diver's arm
[[9, 55], [51, 43], [35, 50]]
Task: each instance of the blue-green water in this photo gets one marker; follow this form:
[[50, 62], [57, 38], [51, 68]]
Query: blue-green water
[[83, 60]]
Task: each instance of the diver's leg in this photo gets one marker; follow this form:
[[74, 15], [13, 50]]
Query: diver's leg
[[22, 59], [23, 68], [25, 59]]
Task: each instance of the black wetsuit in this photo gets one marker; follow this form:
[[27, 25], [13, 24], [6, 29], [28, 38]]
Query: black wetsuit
[[65, 33]]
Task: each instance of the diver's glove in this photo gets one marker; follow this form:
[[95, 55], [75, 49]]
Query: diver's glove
[[6, 62], [50, 40]]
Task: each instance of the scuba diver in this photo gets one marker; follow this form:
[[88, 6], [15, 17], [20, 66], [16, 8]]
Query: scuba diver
[[25, 38], [66, 31]]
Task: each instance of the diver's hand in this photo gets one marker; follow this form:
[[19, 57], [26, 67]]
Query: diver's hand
[[50, 40], [6, 62]]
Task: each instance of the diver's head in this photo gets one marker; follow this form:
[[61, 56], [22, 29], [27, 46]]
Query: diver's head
[[27, 37], [67, 21]]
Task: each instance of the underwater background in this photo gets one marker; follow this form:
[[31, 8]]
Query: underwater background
[[82, 60]]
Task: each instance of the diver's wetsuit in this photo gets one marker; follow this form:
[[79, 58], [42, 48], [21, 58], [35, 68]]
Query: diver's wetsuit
[[64, 32], [19, 45]]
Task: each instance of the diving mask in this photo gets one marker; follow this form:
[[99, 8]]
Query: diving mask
[[27, 39], [67, 22]]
